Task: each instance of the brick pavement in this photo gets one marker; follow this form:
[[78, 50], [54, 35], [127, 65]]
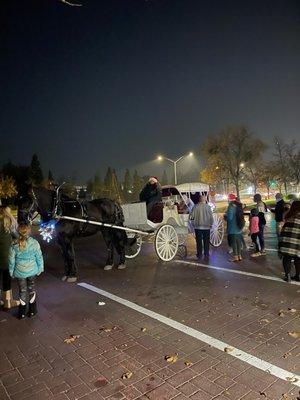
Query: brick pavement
[[36, 363]]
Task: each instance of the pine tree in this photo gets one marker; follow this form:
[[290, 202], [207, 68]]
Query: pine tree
[[108, 180], [50, 176], [97, 187], [138, 184], [36, 173], [127, 185]]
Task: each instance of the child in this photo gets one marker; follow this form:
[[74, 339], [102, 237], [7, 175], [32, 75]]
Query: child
[[25, 263], [254, 231], [8, 227]]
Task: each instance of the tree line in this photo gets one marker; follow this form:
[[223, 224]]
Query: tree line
[[233, 158], [236, 157], [15, 178]]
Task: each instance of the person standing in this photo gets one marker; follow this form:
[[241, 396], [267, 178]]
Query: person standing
[[8, 226], [279, 210], [202, 220], [262, 209], [289, 242], [25, 263], [235, 224], [254, 231]]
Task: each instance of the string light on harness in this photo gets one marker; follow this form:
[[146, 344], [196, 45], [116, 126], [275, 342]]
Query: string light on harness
[[47, 230]]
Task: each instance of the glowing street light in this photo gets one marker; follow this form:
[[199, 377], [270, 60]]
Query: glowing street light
[[174, 162], [242, 165]]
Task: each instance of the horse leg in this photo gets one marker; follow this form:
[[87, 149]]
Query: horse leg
[[67, 249], [108, 238], [120, 241]]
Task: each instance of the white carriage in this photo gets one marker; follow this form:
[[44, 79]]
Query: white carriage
[[171, 229]]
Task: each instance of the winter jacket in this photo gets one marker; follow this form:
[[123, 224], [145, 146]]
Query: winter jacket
[[5, 242], [202, 216], [232, 227], [289, 239], [279, 210], [254, 225], [151, 193], [27, 262]]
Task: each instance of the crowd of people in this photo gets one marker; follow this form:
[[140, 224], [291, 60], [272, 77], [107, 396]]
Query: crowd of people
[[287, 219]]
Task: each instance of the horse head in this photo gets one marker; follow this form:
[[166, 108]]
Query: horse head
[[36, 200]]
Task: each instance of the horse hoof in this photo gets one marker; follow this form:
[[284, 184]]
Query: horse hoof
[[72, 279], [121, 266], [64, 278], [108, 267]]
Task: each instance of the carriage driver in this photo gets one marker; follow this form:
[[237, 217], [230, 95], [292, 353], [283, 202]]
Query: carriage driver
[[151, 193]]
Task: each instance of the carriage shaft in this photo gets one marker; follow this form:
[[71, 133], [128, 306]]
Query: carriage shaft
[[87, 221]]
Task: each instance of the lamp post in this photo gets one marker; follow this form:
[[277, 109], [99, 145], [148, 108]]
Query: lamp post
[[174, 162]]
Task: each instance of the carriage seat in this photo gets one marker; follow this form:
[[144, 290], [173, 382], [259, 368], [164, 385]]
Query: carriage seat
[[156, 213]]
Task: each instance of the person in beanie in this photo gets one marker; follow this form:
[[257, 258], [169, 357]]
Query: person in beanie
[[151, 193], [235, 223], [202, 220], [25, 263], [279, 210], [289, 242], [8, 226], [262, 209]]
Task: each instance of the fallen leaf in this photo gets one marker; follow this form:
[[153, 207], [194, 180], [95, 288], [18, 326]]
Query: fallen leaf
[[295, 334], [286, 355], [127, 375], [143, 329], [263, 394], [287, 396], [172, 358], [71, 339], [265, 320], [228, 349], [292, 310], [203, 300], [188, 363], [101, 303], [292, 379]]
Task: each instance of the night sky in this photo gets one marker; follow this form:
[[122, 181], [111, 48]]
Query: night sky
[[118, 82]]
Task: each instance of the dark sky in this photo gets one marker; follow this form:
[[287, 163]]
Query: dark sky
[[117, 82]]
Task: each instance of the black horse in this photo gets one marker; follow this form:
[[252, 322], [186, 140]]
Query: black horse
[[50, 203]]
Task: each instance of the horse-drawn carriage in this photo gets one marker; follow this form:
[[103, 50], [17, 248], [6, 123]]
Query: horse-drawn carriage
[[171, 227], [123, 229]]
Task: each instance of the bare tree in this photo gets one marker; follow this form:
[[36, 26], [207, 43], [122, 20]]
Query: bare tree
[[231, 150]]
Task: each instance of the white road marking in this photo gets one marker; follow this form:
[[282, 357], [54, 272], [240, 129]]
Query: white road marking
[[218, 344], [236, 271]]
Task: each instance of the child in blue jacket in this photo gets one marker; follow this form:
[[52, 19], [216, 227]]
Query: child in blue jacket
[[25, 263]]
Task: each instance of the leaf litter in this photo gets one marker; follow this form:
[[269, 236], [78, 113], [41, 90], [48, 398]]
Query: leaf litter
[[171, 358], [71, 339]]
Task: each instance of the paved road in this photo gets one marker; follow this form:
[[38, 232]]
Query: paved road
[[228, 330]]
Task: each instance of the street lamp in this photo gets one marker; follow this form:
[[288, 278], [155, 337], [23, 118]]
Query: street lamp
[[174, 162]]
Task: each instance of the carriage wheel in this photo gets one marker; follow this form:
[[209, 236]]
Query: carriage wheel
[[166, 242], [217, 231], [133, 250]]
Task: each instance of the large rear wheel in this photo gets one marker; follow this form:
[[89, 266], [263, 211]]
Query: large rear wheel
[[217, 231], [166, 242]]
